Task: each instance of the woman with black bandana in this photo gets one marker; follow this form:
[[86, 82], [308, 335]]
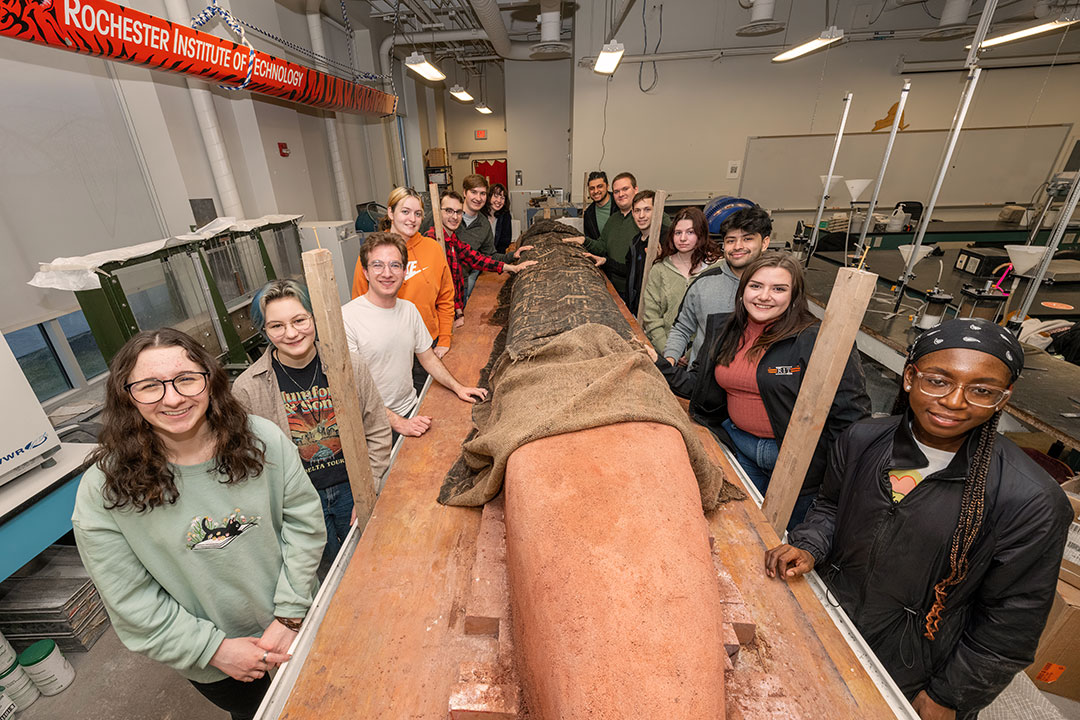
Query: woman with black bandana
[[939, 538]]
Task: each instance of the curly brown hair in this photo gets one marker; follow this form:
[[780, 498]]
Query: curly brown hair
[[131, 454]]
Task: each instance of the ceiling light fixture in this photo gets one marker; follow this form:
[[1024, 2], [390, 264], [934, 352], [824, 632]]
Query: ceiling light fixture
[[461, 94], [828, 36], [483, 109], [609, 58], [419, 65], [1063, 21]]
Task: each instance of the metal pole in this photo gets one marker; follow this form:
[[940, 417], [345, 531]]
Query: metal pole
[[1042, 216], [884, 164], [974, 71], [1051, 247], [950, 146], [828, 178]]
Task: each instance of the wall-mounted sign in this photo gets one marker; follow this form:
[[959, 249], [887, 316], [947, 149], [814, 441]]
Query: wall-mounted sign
[[481, 134], [105, 29]]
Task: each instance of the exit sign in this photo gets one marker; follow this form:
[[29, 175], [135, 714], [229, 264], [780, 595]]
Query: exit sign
[[481, 134]]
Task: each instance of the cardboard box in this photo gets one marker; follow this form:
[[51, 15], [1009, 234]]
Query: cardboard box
[[1070, 562], [435, 157], [1057, 661]]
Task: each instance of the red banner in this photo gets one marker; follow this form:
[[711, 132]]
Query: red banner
[[105, 29]]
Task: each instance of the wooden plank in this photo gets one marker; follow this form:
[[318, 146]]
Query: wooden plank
[[436, 214], [653, 247], [847, 304], [334, 351]]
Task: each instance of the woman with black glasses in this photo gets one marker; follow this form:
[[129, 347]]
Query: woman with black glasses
[[940, 538], [197, 522]]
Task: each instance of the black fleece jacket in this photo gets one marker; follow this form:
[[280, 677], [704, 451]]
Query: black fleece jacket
[[882, 559], [779, 376]]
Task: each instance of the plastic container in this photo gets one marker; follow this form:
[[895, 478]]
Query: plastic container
[[896, 220], [7, 653], [18, 686], [7, 706], [47, 667]]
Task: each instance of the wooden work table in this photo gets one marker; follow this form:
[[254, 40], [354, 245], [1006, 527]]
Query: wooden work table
[[391, 642], [1040, 395]]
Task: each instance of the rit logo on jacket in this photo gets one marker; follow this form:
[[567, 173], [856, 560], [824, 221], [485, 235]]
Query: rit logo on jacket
[[785, 369]]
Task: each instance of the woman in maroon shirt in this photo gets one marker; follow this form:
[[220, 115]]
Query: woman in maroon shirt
[[747, 386]]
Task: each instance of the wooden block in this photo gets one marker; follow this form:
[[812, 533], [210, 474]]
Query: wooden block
[[728, 664], [436, 214], [480, 701], [737, 615], [731, 639], [843, 315], [729, 591], [653, 247], [489, 594]]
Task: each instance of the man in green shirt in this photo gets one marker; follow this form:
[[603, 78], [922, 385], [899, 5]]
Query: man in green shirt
[[618, 233]]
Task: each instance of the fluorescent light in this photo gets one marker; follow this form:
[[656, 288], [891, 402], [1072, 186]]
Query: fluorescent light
[[419, 65], [609, 58], [461, 94], [1063, 21], [483, 109], [829, 35]]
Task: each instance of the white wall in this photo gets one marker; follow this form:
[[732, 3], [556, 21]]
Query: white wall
[[462, 122], [538, 100], [680, 136]]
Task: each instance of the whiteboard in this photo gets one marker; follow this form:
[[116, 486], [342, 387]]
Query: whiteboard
[[990, 166]]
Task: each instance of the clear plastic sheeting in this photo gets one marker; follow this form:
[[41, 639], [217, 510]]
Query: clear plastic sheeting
[[80, 273], [1021, 700]]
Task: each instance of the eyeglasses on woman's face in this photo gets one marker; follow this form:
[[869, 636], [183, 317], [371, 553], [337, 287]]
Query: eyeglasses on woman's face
[[939, 386], [300, 323], [152, 390]]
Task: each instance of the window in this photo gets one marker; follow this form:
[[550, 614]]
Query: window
[[38, 361], [82, 344]]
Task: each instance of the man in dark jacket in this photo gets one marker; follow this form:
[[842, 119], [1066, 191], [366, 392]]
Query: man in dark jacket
[[597, 214], [940, 539]]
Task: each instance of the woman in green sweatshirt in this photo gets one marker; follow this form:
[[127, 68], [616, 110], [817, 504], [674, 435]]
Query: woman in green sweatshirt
[[197, 522], [685, 253]]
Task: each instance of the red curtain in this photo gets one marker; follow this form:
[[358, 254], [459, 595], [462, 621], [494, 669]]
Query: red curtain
[[493, 170]]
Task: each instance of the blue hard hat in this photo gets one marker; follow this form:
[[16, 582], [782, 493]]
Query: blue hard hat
[[720, 208]]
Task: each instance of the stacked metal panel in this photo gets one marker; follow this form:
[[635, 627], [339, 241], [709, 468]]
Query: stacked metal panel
[[52, 597]]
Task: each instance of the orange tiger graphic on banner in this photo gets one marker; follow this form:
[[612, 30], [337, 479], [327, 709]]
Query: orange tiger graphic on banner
[[105, 29]]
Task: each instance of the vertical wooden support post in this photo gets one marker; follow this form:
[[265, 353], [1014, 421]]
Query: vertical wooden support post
[[653, 247], [585, 193], [436, 215], [334, 351], [847, 303]]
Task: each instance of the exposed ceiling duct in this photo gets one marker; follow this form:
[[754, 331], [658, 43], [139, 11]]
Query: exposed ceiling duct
[[551, 46], [490, 17], [761, 19], [953, 23]]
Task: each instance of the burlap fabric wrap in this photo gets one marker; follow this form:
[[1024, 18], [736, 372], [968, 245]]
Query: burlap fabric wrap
[[566, 361]]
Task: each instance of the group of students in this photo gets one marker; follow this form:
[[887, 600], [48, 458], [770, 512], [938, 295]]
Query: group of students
[[206, 511], [940, 538]]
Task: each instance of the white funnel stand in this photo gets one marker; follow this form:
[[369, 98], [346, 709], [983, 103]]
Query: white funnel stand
[[924, 250], [856, 188], [1025, 257]]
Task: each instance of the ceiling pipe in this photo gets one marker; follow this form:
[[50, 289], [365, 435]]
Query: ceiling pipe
[[490, 17], [318, 45], [955, 12], [209, 128]]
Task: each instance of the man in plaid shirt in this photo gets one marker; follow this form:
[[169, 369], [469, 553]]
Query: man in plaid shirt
[[458, 253]]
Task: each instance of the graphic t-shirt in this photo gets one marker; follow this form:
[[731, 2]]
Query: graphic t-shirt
[[312, 424], [905, 480]]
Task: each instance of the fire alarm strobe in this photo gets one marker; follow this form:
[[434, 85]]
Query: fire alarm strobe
[[283, 149]]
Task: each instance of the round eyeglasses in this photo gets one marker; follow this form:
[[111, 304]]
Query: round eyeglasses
[[148, 392], [301, 324], [939, 386]]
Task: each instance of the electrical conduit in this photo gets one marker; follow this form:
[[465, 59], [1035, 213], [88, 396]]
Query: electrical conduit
[[209, 128], [318, 45]]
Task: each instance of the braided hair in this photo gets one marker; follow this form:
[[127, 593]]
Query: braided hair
[[972, 511]]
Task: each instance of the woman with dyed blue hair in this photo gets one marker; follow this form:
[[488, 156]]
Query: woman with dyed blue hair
[[288, 385]]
